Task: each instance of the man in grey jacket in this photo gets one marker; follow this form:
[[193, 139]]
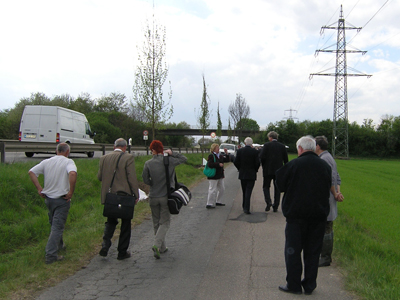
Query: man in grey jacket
[[335, 196], [154, 175]]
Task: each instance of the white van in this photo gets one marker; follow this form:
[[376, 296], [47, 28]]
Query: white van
[[54, 124]]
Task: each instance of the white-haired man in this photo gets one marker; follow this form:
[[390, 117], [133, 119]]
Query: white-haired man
[[306, 183]]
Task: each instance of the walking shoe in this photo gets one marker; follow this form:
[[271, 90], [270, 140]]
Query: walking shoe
[[285, 289], [324, 264], [123, 256], [268, 207], [103, 252], [156, 252], [166, 249], [210, 206], [50, 261], [220, 204]]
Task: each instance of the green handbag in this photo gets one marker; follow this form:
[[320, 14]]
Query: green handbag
[[209, 172]]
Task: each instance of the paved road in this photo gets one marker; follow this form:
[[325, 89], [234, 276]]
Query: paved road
[[213, 254]]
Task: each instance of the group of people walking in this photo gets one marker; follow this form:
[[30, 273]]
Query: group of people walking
[[248, 160], [311, 186], [118, 167], [310, 183]]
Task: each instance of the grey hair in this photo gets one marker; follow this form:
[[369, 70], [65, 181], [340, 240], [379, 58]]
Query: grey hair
[[273, 135], [248, 141], [306, 142], [120, 143], [62, 148]]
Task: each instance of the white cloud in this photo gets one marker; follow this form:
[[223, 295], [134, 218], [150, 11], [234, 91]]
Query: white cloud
[[262, 49]]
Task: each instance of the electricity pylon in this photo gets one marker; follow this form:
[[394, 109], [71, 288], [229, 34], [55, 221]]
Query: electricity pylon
[[290, 114], [340, 138]]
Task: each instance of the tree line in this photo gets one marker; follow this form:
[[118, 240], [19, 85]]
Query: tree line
[[112, 116], [366, 140]]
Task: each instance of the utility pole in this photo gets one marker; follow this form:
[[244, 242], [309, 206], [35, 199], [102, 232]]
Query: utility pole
[[340, 143]]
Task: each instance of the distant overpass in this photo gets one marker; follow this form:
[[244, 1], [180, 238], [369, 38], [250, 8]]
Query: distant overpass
[[208, 132]]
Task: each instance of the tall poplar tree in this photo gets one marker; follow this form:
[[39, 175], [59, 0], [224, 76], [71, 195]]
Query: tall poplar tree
[[219, 123], [150, 76], [204, 115]]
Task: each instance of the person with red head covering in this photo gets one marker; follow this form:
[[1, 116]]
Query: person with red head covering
[[154, 176]]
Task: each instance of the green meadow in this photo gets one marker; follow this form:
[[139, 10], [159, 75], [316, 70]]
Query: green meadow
[[367, 231]]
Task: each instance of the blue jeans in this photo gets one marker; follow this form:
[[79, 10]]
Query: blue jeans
[[58, 213]]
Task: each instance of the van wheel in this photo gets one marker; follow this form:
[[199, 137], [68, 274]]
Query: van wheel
[[29, 154], [90, 154]]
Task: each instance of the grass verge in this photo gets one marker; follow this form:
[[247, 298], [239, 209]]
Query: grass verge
[[24, 225]]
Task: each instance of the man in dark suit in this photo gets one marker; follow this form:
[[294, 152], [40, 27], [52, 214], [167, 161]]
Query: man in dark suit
[[273, 156], [306, 183], [125, 182], [247, 162]]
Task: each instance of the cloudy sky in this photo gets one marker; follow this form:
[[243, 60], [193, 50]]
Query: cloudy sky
[[262, 49]]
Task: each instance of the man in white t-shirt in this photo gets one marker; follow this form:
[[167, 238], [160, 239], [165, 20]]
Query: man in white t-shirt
[[59, 184]]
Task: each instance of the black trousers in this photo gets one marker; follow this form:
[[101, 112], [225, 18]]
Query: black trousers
[[267, 195], [124, 237], [247, 189], [303, 236]]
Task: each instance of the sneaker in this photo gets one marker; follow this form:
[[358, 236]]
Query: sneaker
[[220, 204], [210, 206], [59, 258], [156, 252], [166, 249]]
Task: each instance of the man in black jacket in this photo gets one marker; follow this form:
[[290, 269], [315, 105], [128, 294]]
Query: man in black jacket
[[306, 183], [247, 163], [273, 156]]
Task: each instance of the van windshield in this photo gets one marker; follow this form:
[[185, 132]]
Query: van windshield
[[227, 146]]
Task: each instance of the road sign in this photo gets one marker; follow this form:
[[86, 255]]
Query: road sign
[[145, 133], [213, 135]]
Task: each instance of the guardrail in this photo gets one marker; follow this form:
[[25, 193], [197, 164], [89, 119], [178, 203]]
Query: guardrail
[[17, 146]]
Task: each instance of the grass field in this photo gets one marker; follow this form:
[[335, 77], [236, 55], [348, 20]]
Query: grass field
[[367, 231]]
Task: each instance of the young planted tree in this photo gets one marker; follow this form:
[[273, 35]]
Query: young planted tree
[[239, 110], [150, 76], [204, 115]]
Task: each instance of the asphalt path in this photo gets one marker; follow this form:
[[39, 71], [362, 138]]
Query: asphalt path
[[216, 253]]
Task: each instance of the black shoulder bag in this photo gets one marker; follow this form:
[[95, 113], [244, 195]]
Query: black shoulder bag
[[119, 205], [179, 196]]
